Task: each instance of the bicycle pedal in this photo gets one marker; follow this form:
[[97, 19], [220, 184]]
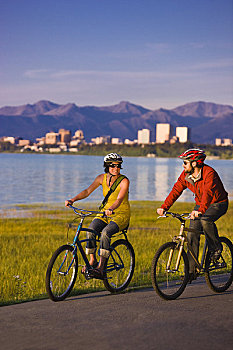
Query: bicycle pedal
[[218, 264], [88, 276]]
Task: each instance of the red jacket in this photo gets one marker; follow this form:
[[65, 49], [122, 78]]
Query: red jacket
[[208, 189]]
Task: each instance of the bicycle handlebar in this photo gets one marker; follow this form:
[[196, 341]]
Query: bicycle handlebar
[[183, 216], [81, 212]]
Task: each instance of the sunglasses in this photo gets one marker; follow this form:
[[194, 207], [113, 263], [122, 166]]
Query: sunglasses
[[185, 162], [115, 166]]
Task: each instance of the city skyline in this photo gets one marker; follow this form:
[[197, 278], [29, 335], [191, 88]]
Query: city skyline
[[65, 137], [63, 140], [154, 54]]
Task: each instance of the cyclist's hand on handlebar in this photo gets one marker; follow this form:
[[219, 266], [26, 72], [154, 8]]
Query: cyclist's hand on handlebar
[[68, 202], [108, 212], [195, 214], [160, 211]]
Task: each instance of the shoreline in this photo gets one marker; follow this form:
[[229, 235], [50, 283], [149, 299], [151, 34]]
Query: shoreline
[[149, 155], [20, 211], [156, 150]]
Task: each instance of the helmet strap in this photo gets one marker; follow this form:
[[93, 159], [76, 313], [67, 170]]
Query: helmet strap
[[193, 169], [110, 178]]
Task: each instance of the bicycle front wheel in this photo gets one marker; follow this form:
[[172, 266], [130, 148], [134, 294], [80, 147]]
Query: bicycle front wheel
[[61, 273], [219, 275], [169, 280], [119, 267]]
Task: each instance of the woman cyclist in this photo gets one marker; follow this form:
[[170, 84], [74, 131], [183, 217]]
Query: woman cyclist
[[116, 203]]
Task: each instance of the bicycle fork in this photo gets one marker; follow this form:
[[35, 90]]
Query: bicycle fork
[[181, 246], [64, 273]]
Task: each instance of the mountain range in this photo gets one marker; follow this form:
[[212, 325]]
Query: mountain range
[[206, 120]]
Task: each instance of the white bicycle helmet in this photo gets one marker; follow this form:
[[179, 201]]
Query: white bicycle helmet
[[112, 157]]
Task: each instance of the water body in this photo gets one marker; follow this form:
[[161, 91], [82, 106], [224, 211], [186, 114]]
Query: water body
[[40, 178]]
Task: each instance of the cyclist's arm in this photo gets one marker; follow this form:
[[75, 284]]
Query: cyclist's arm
[[124, 188], [85, 193], [209, 188]]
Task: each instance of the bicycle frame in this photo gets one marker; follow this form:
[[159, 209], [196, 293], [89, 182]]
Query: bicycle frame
[[181, 239], [63, 266], [77, 244], [170, 270]]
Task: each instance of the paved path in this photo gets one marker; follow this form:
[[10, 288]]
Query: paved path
[[199, 319]]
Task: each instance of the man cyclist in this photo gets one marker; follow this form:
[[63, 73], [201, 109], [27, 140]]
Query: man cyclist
[[117, 202], [211, 203]]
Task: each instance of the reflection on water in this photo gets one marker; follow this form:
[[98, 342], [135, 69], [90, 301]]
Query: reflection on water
[[154, 178], [161, 178], [37, 178]]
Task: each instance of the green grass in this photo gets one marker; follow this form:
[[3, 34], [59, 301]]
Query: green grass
[[27, 243]]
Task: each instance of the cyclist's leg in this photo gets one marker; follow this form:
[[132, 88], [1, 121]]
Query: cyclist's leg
[[116, 224], [212, 214], [96, 225], [194, 240], [105, 239]]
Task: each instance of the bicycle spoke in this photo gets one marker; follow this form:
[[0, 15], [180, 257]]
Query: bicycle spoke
[[219, 275], [61, 273], [168, 281], [119, 266]]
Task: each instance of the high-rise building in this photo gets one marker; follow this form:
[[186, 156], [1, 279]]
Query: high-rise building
[[227, 142], [65, 135], [182, 133], [51, 138], [77, 139], [163, 132], [218, 142], [116, 141], [101, 139], [223, 142], [143, 136], [79, 134]]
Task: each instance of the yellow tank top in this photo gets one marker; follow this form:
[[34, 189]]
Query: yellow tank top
[[124, 207]]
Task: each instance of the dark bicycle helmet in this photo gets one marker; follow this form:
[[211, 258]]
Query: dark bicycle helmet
[[194, 155]]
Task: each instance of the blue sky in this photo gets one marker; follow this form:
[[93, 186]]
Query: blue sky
[[154, 53]]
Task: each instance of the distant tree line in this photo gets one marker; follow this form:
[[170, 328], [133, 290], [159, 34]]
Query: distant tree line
[[156, 150]]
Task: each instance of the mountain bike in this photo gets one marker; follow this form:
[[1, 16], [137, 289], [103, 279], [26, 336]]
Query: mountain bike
[[63, 267], [170, 265]]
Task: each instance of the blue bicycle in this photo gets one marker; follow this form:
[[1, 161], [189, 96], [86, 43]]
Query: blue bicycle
[[63, 266]]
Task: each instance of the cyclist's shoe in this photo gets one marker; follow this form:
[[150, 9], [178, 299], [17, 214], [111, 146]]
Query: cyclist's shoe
[[192, 276], [215, 255], [84, 269], [96, 273]]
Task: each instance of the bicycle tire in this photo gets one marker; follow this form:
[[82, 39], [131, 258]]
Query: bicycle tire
[[59, 282], [219, 276], [169, 285], [119, 266]]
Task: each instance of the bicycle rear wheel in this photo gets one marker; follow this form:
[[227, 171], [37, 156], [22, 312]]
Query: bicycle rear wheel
[[219, 275], [169, 282], [61, 273], [119, 267]]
